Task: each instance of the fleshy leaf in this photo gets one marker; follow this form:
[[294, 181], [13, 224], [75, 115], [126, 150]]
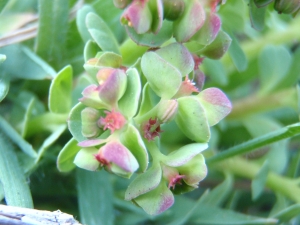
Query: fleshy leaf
[[191, 119], [90, 51], [184, 154], [218, 47], [74, 122], [194, 171], [85, 159], [120, 160], [113, 84], [132, 140], [150, 39], [101, 33], [145, 182], [67, 155], [92, 142], [190, 21], [138, 16], [89, 118], [209, 30], [61, 91], [156, 8], [215, 103], [257, 16], [178, 56], [163, 78], [91, 97], [129, 102], [80, 22], [157, 200], [262, 3], [173, 9]]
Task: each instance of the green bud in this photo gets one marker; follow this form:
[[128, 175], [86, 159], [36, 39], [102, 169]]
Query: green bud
[[167, 110], [89, 118], [173, 9], [287, 6]]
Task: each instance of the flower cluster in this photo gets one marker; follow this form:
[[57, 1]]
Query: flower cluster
[[119, 120]]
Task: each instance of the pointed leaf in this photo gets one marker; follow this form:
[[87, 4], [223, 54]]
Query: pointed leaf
[[95, 197], [52, 33], [169, 80], [215, 103], [61, 91], [192, 120], [101, 33], [12, 179], [258, 183], [67, 155]]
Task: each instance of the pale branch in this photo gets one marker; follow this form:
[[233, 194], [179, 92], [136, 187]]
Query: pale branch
[[10, 215]]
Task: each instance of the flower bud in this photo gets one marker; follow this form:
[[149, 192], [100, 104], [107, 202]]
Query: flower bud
[[287, 6], [117, 159], [173, 9], [167, 110], [89, 118], [91, 98]]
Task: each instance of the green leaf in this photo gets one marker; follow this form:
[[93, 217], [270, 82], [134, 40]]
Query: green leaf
[[60, 94], [237, 55], [16, 138], [218, 47], [169, 80], [22, 63], [219, 194], [3, 4], [129, 102], [90, 50], [280, 134], [74, 122], [273, 63], [258, 183], [189, 22], [67, 155], [49, 141], [4, 86], [156, 201], [132, 140], [148, 100], [184, 154], [216, 71], [81, 24], [15, 186], [95, 196], [144, 182], [150, 39], [178, 56], [288, 213], [262, 3], [101, 33], [27, 115], [191, 119], [257, 16], [52, 31]]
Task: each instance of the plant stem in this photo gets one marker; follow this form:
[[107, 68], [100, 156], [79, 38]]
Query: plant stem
[[130, 52], [277, 183], [254, 104]]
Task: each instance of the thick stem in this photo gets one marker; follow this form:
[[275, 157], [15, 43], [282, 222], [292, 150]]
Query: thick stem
[[255, 104], [241, 167]]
